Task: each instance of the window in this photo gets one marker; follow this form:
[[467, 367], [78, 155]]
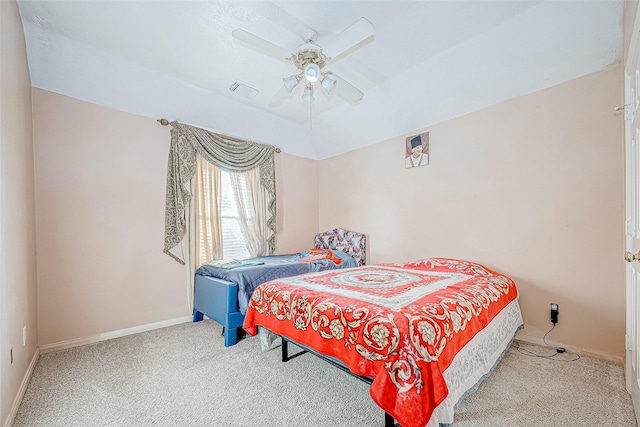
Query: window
[[233, 243], [218, 228], [252, 216]]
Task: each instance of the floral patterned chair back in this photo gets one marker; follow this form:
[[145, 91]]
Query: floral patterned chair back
[[350, 242]]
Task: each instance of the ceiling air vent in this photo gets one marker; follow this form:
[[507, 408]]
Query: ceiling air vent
[[244, 90]]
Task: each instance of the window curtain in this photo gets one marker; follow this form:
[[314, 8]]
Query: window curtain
[[234, 156], [207, 205], [251, 201]]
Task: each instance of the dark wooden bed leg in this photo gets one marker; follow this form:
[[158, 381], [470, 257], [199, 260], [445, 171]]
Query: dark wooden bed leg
[[197, 316], [388, 420]]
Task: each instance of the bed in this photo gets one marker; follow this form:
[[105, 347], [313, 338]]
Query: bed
[[222, 289], [423, 333]]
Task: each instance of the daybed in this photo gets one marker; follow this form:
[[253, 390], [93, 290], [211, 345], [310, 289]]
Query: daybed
[[423, 334], [222, 290]]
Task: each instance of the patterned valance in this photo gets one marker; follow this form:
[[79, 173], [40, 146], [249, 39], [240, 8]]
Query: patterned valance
[[228, 154]]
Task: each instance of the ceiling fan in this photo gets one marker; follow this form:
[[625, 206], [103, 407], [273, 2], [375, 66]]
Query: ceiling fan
[[310, 59]]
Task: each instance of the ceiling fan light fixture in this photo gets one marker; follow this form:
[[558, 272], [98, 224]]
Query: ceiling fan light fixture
[[328, 83], [307, 95], [310, 59], [312, 72], [291, 82]]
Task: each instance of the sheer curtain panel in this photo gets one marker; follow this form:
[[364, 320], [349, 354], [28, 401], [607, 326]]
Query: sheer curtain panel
[[252, 201]]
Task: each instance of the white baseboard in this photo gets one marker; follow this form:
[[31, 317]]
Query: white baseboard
[[22, 390], [581, 351], [63, 345]]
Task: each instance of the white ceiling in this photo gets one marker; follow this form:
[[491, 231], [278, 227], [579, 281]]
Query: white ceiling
[[429, 61]]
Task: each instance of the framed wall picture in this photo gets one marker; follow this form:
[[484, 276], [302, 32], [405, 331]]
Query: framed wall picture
[[417, 150]]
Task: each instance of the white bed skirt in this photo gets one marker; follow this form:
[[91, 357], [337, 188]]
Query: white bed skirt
[[476, 361]]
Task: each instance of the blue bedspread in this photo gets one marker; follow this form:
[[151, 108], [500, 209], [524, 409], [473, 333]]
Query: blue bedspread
[[250, 273]]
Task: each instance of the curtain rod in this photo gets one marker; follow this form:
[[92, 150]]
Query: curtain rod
[[165, 122]]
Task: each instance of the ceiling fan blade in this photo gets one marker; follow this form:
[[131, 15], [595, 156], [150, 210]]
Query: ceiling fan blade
[[350, 37], [261, 45], [279, 97], [346, 90]]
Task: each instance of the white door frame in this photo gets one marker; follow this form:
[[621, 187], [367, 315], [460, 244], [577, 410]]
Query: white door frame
[[632, 215]]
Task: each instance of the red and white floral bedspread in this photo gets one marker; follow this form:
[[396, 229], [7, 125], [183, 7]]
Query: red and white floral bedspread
[[401, 324]]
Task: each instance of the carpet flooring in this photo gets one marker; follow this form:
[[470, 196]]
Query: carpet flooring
[[184, 376]]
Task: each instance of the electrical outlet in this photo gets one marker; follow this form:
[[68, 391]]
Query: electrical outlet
[[24, 335], [554, 313]]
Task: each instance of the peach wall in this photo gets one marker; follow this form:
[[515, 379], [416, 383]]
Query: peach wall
[[100, 221], [297, 194], [533, 187], [100, 180], [17, 215]]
